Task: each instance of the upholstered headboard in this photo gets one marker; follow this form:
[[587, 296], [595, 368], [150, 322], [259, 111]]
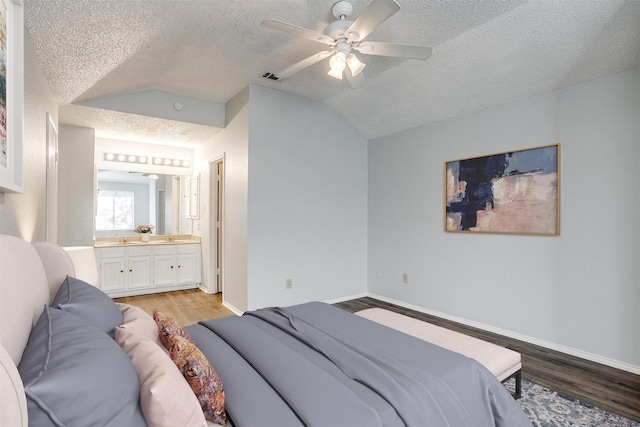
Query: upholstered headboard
[[30, 274]]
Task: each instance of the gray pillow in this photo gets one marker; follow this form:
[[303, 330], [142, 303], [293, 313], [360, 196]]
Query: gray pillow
[[89, 303], [75, 375]]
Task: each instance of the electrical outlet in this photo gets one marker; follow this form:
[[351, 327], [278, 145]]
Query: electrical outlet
[[405, 278], [289, 283], [378, 275]]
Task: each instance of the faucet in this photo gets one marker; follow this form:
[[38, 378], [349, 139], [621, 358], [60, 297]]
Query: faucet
[[170, 238], [123, 240]]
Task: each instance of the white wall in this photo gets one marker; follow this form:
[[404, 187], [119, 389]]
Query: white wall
[[295, 201], [307, 202], [23, 215], [233, 143], [76, 186], [579, 291]]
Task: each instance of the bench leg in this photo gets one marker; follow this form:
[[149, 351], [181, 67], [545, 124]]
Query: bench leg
[[518, 393]]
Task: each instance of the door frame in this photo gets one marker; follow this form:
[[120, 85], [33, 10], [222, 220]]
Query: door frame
[[51, 190], [216, 205]]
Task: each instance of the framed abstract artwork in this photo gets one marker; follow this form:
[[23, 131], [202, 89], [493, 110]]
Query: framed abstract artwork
[[516, 192], [11, 96]]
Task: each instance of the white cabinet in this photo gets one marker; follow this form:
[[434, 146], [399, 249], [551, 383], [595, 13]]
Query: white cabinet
[[191, 196], [123, 269], [112, 267], [165, 272], [189, 264], [148, 268]]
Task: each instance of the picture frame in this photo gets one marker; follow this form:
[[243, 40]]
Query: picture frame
[[514, 192], [12, 96]]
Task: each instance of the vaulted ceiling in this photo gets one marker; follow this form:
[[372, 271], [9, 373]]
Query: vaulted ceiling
[[485, 53]]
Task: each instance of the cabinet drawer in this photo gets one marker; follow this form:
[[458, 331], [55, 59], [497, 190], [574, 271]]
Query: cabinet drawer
[[139, 251], [164, 250], [111, 252], [188, 249]]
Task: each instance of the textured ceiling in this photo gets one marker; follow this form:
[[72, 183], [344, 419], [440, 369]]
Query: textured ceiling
[[485, 53]]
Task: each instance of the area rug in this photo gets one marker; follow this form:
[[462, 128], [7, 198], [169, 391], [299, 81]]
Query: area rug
[[546, 408]]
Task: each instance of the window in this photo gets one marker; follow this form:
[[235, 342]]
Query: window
[[115, 210]]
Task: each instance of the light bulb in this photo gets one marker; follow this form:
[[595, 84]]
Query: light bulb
[[355, 65], [337, 64]]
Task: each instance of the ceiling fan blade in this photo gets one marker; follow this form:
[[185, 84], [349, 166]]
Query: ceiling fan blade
[[292, 69], [394, 50], [274, 24], [371, 17], [356, 81]]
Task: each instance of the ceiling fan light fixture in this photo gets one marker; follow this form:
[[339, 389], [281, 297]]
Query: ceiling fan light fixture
[[355, 65], [337, 63]]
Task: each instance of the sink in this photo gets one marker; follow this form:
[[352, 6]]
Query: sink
[[115, 243], [155, 240]]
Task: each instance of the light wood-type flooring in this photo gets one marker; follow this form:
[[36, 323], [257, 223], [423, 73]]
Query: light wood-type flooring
[[187, 307], [607, 388]]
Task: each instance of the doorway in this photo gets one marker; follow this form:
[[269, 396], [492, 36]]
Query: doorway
[[216, 220]]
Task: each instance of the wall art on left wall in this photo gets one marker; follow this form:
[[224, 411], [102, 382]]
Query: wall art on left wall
[[516, 192], [11, 96]]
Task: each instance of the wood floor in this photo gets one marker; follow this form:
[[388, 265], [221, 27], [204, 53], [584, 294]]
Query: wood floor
[[187, 307], [602, 386]]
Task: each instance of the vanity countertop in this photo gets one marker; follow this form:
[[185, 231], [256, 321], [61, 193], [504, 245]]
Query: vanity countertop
[[178, 239]]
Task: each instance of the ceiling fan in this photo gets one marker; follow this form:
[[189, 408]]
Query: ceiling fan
[[344, 36]]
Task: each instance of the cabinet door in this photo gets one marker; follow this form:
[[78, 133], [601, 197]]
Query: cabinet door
[[187, 269], [112, 274], [139, 272], [165, 270]]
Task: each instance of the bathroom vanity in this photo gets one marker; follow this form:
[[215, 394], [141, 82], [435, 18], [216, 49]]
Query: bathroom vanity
[[130, 266]]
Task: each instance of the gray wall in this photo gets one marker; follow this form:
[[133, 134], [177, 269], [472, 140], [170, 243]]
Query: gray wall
[[23, 215], [578, 292], [307, 209]]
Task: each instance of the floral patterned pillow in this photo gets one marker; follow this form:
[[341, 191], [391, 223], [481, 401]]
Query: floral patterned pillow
[[200, 375], [168, 326]]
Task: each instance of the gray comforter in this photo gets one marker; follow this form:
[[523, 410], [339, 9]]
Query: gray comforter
[[317, 365]]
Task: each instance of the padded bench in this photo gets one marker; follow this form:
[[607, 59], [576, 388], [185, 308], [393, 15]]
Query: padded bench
[[502, 362]]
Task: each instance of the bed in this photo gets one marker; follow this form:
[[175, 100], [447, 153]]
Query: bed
[[309, 364]]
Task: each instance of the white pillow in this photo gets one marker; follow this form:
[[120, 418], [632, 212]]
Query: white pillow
[[166, 399], [139, 321]]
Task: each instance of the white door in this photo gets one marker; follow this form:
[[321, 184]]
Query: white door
[[216, 246]]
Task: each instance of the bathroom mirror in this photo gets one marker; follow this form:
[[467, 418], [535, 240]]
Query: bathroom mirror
[[126, 199]]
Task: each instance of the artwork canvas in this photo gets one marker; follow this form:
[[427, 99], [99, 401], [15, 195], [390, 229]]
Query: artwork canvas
[[3, 84], [11, 96], [514, 192]]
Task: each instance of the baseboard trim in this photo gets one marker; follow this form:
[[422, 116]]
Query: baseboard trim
[[603, 360], [347, 298], [233, 309], [204, 289]]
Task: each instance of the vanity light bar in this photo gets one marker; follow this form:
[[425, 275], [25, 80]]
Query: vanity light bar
[[171, 162], [132, 158], [125, 158]]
